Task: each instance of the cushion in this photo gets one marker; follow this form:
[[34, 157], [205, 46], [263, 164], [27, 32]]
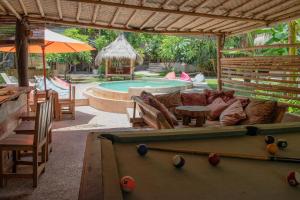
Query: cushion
[[164, 110], [216, 108], [244, 101], [145, 96], [193, 99], [227, 95], [232, 114], [170, 100], [213, 94], [259, 112]]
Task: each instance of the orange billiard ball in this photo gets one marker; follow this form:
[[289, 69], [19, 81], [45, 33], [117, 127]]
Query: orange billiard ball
[[272, 148]]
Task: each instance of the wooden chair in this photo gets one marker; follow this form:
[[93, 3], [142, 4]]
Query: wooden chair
[[67, 106], [39, 96], [151, 116], [28, 127], [35, 143]]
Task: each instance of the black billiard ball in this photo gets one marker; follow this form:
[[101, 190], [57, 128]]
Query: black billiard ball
[[269, 139], [142, 149]]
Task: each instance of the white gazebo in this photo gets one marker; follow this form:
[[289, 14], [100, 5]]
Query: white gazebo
[[119, 57]]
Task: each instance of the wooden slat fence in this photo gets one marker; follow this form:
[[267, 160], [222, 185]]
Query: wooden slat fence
[[267, 76]]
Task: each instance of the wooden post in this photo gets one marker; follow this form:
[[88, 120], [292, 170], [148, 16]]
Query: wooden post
[[292, 37], [220, 45], [106, 67], [22, 51]]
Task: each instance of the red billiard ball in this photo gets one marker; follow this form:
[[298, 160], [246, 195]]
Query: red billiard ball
[[213, 159], [293, 178], [128, 183]]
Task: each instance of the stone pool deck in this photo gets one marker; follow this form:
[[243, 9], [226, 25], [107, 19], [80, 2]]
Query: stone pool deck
[[63, 171]]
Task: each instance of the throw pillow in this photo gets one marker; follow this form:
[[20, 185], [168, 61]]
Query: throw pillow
[[170, 100], [216, 108], [193, 99], [164, 110], [232, 114], [259, 112]]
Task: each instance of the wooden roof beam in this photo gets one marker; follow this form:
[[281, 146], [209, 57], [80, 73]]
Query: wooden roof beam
[[115, 16], [230, 25], [189, 24], [116, 13], [166, 3], [161, 22], [201, 5], [94, 19], [173, 23], [213, 9], [58, 5], [170, 11], [98, 26], [130, 19], [218, 6], [78, 12], [273, 8], [283, 12], [11, 9], [23, 7], [184, 3], [229, 12], [39, 4], [147, 20], [3, 9]]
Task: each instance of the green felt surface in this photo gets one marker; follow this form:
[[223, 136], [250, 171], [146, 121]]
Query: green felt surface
[[233, 179]]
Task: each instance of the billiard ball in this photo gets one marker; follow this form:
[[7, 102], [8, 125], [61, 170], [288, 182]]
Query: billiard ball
[[293, 178], [272, 148], [213, 159], [127, 183], [282, 144], [142, 149], [178, 161], [269, 139]]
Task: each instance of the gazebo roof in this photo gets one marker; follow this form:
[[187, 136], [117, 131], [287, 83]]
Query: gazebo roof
[[119, 49], [210, 17]]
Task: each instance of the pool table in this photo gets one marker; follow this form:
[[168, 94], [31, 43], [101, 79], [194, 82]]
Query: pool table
[[112, 155]]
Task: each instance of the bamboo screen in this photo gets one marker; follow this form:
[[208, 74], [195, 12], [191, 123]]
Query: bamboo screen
[[272, 77]]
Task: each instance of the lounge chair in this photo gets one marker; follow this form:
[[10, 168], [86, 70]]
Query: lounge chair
[[185, 77], [170, 76], [8, 80], [62, 82], [199, 81]]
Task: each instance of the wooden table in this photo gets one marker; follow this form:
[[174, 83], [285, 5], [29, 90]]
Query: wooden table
[[193, 112]]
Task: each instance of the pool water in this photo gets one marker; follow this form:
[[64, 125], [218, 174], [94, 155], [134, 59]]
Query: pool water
[[123, 86]]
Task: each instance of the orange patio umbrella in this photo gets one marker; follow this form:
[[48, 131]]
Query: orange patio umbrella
[[53, 43]]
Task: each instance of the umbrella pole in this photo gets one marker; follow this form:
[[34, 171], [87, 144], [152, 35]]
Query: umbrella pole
[[44, 66]]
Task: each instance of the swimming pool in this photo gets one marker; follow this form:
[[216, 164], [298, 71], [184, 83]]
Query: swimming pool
[[123, 86], [116, 96]]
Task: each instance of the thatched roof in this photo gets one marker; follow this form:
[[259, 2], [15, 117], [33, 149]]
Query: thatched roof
[[160, 16], [119, 49]]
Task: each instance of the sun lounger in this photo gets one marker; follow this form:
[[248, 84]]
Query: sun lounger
[[8, 80], [199, 81], [185, 77], [170, 76]]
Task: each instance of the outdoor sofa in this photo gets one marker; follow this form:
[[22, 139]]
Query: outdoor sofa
[[158, 111]]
